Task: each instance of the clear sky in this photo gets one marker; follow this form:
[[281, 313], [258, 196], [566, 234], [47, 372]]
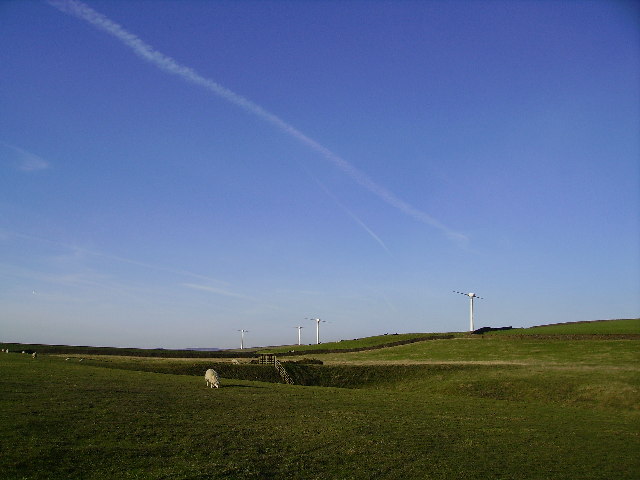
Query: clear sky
[[174, 171]]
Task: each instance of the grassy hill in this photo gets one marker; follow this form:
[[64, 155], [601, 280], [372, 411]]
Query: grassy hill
[[551, 405], [357, 344], [596, 327], [602, 327]]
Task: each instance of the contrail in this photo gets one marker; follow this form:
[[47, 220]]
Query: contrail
[[169, 65], [352, 215]]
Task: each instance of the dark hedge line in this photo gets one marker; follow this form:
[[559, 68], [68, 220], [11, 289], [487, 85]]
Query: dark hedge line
[[341, 376], [359, 376], [489, 329], [294, 352], [166, 353], [133, 352], [245, 371]]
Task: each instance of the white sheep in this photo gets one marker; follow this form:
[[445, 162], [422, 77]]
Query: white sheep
[[34, 355], [212, 378]]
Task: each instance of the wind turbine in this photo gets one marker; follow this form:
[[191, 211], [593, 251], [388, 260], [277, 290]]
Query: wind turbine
[[471, 297], [242, 332], [317, 320], [299, 327]]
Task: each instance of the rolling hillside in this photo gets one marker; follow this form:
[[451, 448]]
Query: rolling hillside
[[554, 405]]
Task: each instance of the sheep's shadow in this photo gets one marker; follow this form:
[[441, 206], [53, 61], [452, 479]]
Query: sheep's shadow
[[237, 385]]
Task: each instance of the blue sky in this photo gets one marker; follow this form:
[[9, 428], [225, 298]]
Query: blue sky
[[173, 172]]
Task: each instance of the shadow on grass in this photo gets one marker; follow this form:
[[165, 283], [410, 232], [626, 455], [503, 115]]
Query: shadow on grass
[[236, 385]]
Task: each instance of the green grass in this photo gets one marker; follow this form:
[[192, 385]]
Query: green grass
[[570, 383], [598, 327], [379, 341], [70, 420], [499, 349], [471, 407]]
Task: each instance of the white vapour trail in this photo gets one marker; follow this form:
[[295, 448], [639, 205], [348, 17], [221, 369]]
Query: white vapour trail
[[352, 215], [169, 65]]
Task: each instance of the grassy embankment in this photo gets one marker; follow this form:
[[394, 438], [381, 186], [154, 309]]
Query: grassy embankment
[[488, 407], [629, 326]]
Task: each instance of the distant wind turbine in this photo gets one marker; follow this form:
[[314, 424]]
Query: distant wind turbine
[[471, 297], [317, 320], [242, 332], [299, 327]]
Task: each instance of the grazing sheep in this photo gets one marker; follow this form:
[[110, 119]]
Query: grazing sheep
[[34, 355], [66, 359], [212, 378], [235, 362]]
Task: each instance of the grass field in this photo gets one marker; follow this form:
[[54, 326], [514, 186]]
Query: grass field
[[599, 327], [378, 341], [473, 408], [596, 352]]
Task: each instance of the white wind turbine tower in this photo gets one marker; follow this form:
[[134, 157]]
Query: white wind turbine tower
[[299, 327], [242, 332], [317, 320], [471, 297]]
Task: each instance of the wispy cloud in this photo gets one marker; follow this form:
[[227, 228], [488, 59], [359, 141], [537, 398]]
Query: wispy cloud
[[169, 65], [352, 215], [21, 159], [216, 291], [66, 284], [79, 251]]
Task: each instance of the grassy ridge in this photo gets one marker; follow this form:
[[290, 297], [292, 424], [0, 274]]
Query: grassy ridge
[[598, 373], [137, 352], [357, 344], [380, 341], [499, 349], [472, 407], [629, 326], [71, 420], [598, 327]]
